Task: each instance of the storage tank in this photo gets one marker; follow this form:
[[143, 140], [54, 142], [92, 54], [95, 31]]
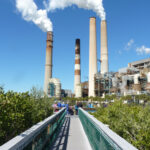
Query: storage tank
[[57, 87]]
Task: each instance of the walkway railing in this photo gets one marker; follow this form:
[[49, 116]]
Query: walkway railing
[[38, 137], [100, 136]]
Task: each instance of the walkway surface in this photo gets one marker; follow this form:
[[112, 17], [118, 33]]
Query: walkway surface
[[71, 136]]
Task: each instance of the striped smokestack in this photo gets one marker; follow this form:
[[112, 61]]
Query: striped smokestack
[[77, 79], [92, 56], [48, 65], [104, 48]]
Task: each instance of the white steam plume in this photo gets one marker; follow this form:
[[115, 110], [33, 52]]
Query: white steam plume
[[30, 12], [95, 5]]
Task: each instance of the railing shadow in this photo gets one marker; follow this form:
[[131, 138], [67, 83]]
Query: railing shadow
[[61, 141]]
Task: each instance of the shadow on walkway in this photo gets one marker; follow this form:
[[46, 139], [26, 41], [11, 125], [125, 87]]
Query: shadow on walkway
[[61, 141]]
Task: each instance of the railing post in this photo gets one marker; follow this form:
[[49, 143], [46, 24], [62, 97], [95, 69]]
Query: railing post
[[48, 129], [33, 145]]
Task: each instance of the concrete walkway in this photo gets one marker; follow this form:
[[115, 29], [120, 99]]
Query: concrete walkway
[[72, 136]]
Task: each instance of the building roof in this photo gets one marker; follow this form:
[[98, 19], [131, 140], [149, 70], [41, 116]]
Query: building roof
[[140, 61]]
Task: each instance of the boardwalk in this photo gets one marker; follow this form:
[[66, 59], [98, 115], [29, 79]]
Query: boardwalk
[[72, 136]]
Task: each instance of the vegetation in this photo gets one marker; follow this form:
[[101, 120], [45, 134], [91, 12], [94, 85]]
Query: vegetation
[[19, 111], [130, 121]]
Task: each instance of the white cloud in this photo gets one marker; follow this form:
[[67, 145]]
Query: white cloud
[[95, 5], [129, 44], [30, 12], [143, 50]]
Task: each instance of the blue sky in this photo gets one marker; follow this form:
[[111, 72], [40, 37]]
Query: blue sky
[[23, 44]]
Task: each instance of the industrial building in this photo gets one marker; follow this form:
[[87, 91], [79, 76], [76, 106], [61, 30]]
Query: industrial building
[[66, 93], [141, 64], [54, 88], [132, 80]]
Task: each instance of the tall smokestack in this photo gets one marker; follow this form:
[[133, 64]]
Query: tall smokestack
[[48, 65], [77, 79], [92, 56], [104, 48]]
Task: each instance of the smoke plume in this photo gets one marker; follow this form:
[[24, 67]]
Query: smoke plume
[[30, 12], [95, 5]]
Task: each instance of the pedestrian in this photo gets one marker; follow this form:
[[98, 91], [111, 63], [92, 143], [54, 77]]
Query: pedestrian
[[59, 104], [80, 104], [76, 109], [71, 111], [55, 107], [67, 108]]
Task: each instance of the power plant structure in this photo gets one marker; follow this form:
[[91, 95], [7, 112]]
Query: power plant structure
[[92, 56], [52, 86], [48, 64], [132, 80], [104, 48], [77, 78]]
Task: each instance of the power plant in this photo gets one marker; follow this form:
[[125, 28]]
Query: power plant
[[135, 79], [77, 78], [132, 80]]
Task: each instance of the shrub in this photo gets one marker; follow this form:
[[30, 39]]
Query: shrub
[[129, 121], [19, 111]]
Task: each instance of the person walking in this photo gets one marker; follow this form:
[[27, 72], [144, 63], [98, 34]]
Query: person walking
[[76, 109], [67, 108]]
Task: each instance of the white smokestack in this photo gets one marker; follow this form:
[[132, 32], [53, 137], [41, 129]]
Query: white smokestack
[[92, 56], [104, 48], [95, 5], [30, 12]]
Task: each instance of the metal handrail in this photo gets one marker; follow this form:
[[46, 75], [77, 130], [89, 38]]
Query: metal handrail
[[28, 137], [116, 142]]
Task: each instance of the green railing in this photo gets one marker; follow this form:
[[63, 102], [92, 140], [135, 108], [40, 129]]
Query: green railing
[[40, 136], [100, 136]]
